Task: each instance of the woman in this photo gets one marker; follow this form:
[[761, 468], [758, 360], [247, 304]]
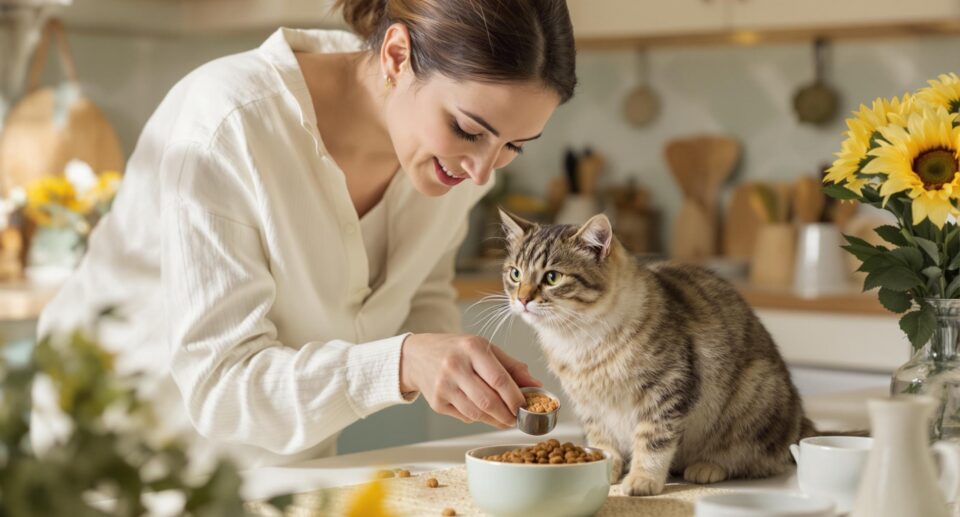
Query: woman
[[282, 246]]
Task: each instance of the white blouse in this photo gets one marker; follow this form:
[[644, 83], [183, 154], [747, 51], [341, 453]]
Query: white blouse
[[266, 314]]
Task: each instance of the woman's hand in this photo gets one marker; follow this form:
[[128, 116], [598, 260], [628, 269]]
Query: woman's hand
[[465, 377]]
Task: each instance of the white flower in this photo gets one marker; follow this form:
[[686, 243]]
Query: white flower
[[81, 177]]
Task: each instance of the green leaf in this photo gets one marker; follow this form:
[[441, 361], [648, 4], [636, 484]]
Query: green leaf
[[932, 272], [871, 195], [909, 257], [879, 261], [954, 262], [919, 325], [926, 229], [839, 192], [896, 278], [894, 301], [931, 249], [953, 288], [857, 241], [892, 235]]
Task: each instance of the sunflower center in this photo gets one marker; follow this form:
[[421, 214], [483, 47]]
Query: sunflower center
[[936, 167]]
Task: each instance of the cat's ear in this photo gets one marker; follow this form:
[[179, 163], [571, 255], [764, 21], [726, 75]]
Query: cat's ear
[[514, 227], [597, 234]]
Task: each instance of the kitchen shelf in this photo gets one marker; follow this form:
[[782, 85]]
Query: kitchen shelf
[[757, 37], [472, 286]]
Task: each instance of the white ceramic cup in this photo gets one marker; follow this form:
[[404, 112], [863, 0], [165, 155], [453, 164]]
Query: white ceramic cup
[[763, 503], [831, 467], [820, 267]]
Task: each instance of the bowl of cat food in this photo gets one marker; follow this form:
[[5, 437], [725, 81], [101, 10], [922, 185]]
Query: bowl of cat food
[[548, 478], [539, 415]]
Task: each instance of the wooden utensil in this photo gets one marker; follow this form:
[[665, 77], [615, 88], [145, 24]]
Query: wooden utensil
[[764, 203], [808, 200], [642, 104], [700, 165], [784, 192], [741, 223], [817, 102]]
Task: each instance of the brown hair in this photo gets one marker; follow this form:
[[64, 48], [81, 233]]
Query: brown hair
[[484, 40]]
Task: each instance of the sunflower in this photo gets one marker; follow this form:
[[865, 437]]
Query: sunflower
[[920, 158], [861, 132], [943, 91]]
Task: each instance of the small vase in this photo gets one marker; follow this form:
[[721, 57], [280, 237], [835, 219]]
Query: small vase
[[934, 370], [53, 255]]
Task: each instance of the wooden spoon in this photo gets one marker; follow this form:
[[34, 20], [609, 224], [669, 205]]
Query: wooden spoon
[[808, 200]]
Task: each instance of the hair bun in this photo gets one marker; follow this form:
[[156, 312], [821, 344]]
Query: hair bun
[[363, 16]]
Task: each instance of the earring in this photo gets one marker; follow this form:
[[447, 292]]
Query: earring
[[387, 81]]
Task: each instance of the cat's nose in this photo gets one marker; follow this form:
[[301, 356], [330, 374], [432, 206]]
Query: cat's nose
[[523, 300]]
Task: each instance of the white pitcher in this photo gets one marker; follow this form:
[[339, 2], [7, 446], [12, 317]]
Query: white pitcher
[[900, 478]]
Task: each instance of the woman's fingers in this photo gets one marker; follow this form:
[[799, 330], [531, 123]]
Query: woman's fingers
[[485, 399], [462, 403], [493, 373]]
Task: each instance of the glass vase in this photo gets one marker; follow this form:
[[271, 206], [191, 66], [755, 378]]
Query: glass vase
[[934, 370]]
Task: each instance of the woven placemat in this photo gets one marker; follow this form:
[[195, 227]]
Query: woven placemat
[[411, 497]]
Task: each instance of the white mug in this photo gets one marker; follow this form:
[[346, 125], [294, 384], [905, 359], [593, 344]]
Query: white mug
[[820, 266], [763, 503], [831, 467]]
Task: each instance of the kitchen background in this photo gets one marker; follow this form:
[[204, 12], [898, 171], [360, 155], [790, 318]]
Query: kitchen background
[[710, 77]]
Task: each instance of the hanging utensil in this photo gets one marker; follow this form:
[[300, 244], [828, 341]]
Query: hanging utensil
[[817, 102], [642, 104]]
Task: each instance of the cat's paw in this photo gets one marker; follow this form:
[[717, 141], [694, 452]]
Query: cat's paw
[[640, 485], [704, 473], [616, 468]]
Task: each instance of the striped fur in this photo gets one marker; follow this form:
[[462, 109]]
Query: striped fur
[[666, 365]]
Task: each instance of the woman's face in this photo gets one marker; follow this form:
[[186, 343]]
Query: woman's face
[[446, 132]]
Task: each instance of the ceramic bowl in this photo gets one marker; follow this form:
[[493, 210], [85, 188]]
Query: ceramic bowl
[[515, 489]]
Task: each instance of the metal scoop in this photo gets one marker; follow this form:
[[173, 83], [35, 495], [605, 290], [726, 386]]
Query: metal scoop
[[537, 424]]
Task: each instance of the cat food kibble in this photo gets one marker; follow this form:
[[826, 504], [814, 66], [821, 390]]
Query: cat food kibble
[[403, 473], [540, 403], [433, 483], [550, 452], [384, 474], [448, 512]]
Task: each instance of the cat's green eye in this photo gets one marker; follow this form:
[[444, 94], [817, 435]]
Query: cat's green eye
[[552, 277], [514, 274]]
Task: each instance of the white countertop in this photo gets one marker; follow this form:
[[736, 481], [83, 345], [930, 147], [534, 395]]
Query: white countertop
[[835, 412]]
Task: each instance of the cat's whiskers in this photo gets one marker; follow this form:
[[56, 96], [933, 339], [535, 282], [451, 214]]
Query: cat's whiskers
[[507, 316], [495, 298], [489, 310], [493, 318]]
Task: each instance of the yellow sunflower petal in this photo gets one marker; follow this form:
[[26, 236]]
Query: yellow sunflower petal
[[917, 158], [944, 91], [866, 121], [934, 208]]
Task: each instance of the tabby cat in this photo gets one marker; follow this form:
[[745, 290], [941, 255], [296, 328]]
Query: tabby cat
[[666, 366]]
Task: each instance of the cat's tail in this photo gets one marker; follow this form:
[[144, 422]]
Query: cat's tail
[[807, 430]]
